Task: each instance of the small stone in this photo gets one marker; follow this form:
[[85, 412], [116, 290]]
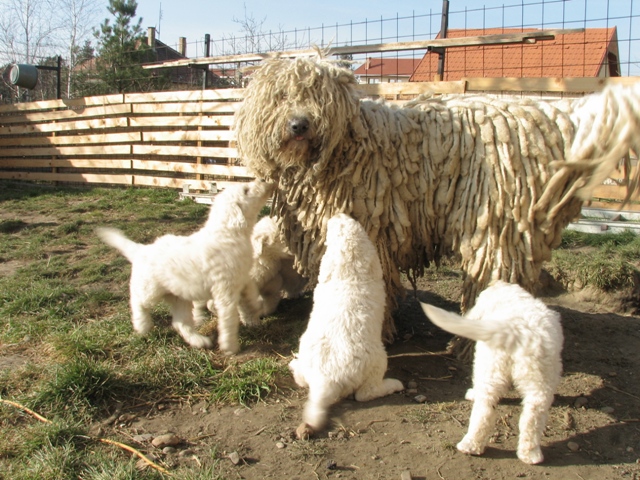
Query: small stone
[[407, 336], [573, 446], [607, 410], [166, 440], [169, 450], [160, 406], [412, 384], [331, 465], [452, 369], [234, 457], [186, 452], [580, 402], [420, 398], [412, 391], [145, 437], [613, 374], [629, 449], [406, 475], [280, 445], [340, 435]]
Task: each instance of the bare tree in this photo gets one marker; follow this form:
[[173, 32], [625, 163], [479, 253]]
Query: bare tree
[[77, 20], [27, 29]]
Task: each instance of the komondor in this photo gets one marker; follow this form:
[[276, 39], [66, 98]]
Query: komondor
[[212, 263], [494, 180], [341, 351], [519, 341]]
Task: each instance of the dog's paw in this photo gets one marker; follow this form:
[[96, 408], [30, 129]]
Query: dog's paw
[[200, 341], [230, 348], [531, 456], [470, 395], [304, 431], [470, 447], [393, 385]]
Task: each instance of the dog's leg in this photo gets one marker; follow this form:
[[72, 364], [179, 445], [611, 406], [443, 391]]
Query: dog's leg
[[378, 388], [140, 315], [227, 307], [200, 313], [486, 392], [250, 305], [535, 409], [321, 397], [183, 322]]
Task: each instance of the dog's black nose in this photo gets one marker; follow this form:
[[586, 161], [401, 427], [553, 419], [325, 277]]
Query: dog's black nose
[[299, 125]]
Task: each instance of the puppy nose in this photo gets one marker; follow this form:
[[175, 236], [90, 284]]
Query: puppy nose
[[299, 125]]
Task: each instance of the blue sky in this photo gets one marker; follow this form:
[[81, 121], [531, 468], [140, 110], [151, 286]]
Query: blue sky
[[194, 18]]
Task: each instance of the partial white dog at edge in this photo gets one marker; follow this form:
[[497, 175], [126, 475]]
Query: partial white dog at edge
[[519, 343], [273, 266], [212, 263], [341, 351]]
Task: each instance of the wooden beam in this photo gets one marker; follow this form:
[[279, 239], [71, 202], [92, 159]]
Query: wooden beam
[[125, 137], [208, 169], [180, 151], [498, 39]]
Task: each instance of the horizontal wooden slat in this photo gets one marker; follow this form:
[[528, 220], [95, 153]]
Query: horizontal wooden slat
[[174, 108], [66, 151], [565, 85], [185, 96], [203, 121], [184, 151], [189, 136], [126, 137], [103, 110], [69, 177], [412, 88], [60, 162], [66, 103], [67, 126], [166, 182], [203, 168]]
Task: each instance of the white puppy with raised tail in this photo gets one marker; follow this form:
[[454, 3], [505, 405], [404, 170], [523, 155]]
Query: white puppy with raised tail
[[519, 342], [341, 352], [212, 263]]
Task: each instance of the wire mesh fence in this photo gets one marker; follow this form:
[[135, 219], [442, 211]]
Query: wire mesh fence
[[605, 45]]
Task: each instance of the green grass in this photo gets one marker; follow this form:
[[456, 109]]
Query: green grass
[[605, 261], [64, 312]]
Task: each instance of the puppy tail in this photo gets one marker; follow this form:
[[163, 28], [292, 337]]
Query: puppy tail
[[474, 329], [117, 239]]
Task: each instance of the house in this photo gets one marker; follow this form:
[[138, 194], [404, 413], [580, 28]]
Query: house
[[386, 70], [592, 53]]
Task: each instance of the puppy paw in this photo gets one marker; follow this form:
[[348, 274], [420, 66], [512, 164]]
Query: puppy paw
[[304, 431], [470, 395], [393, 385], [200, 341], [229, 348], [470, 447], [532, 456]]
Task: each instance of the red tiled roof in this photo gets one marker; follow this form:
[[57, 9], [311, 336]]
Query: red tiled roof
[[387, 67], [568, 55]]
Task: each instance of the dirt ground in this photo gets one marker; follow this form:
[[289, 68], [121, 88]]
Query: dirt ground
[[593, 430]]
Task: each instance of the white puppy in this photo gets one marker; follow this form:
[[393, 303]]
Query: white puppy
[[519, 342], [341, 352], [273, 269], [213, 262]]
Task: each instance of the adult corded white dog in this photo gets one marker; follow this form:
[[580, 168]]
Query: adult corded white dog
[[212, 263], [519, 342], [341, 352], [491, 180]]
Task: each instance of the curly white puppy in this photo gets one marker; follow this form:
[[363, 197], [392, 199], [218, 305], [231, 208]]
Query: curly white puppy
[[341, 352], [213, 262], [273, 269], [519, 342]]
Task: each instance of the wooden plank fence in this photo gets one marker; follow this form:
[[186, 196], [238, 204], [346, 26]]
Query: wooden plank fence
[[180, 139]]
